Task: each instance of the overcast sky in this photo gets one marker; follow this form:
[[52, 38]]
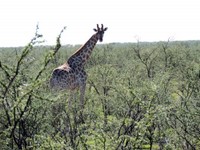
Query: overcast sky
[[127, 20]]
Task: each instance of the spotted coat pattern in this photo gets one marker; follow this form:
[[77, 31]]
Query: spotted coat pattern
[[71, 75]]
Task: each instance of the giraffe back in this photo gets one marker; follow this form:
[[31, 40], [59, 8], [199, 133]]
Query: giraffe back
[[62, 78]]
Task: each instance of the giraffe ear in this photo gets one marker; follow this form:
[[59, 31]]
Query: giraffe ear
[[105, 29], [95, 30]]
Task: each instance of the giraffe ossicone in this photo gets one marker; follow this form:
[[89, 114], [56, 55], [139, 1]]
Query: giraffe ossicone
[[71, 75]]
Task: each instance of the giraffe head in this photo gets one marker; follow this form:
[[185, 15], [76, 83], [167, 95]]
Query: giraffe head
[[100, 32]]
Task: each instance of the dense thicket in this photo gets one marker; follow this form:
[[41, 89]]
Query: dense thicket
[[139, 96]]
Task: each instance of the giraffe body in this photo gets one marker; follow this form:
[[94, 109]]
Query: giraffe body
[[63, 77], [71, 75]]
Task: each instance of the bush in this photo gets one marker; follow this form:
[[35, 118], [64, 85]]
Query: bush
[[139, 95]]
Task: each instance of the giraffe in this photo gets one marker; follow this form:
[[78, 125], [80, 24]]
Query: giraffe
[[71, 75]]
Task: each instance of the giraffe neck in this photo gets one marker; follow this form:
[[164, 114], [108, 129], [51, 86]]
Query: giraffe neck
[[80, 57]]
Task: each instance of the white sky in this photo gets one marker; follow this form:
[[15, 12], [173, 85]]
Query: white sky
[[127, 20]]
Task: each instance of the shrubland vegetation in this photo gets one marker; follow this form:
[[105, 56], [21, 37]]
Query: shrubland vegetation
[[139, 96]]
